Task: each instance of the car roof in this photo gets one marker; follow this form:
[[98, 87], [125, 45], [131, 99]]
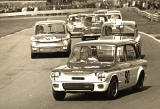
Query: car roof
[[94, 15], [114, 11], [73, 15], [125, 23], [106, 42], [102, 10], [50, 22]]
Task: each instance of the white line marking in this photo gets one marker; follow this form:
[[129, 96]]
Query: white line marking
[[149, 36], [6, 36], [143, 33]]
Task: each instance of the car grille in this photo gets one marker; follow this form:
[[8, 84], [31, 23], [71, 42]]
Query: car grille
[[77, 30], [78, 86], [95, 31], [77, 78]]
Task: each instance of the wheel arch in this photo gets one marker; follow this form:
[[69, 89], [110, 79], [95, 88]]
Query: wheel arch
[[140, 71], [114, 76]]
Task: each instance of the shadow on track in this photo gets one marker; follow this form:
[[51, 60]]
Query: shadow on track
[[128, 92], [100, 96]]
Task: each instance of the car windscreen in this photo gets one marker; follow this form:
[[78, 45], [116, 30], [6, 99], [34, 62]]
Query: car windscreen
[[56, 28], [114, 16], [120, 30], [75, 19], [92, 53], [94, 21]]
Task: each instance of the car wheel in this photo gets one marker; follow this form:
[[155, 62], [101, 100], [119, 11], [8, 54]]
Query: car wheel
[[69, 50], [139, 49], [139, 84], [112, 91], [33, 55], [83, 38], [58, 95]]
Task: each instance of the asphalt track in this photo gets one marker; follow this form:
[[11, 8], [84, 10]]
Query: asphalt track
[[25, 82]]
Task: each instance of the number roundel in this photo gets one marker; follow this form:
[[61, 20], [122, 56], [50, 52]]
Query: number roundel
[[127, 77]]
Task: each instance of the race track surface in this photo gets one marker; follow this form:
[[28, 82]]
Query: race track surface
[[25, 82]]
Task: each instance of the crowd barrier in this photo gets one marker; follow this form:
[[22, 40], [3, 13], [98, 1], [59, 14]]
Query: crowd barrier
[[44, 13], [152, 17]]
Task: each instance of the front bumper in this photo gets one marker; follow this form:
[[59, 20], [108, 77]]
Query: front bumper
[[76, 33], [49, 49], [80, 87], [91, 35]]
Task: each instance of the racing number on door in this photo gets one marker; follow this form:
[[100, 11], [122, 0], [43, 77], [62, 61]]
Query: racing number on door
[[127, 77]]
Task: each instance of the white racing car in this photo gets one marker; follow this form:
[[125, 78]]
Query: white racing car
[[50, 36], [126, 31], [75, 24], [115, 17], [100, 66]]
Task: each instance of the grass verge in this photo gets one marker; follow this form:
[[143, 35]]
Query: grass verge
[[144, 24], [14, 25]]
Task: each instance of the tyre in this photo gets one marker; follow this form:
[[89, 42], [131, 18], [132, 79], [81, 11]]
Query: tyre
[[33, 55], [139, 49], [69, 50], [58, 95], [112, 91], [83, 38], [139, 85]]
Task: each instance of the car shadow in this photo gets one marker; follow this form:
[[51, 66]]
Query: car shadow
[[52, 55], [128, 92], [101, 96]]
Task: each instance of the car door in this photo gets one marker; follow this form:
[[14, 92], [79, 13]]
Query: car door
[[124, 68], [132, 59]]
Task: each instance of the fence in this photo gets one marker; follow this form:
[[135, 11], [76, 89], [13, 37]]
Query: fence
[[50, 12], [152, 17]]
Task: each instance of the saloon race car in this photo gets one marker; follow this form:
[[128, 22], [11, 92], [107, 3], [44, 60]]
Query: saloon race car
[[75, 24], [100, 66], [115, 17], [50, 36], [93, 23], [126, 31]]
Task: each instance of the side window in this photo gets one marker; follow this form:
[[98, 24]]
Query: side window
[[131, 54], [121, 54]]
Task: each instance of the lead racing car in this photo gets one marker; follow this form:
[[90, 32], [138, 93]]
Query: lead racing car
[[100, 66], [50, 36]]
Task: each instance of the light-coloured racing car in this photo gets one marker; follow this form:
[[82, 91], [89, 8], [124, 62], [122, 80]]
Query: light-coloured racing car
[[115, 17], [75, 24], [93, 23], [50, 36], [126, 31], [100, 66]]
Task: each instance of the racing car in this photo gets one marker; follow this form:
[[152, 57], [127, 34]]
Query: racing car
[[50, 36], [93, 23], [114, 16], [102, 66], [75, 24], [126, 31]]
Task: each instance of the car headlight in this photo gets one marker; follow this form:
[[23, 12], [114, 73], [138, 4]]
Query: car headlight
[[55, 75], [65, 42], [102, 76], [34, 43], [86, 31]]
